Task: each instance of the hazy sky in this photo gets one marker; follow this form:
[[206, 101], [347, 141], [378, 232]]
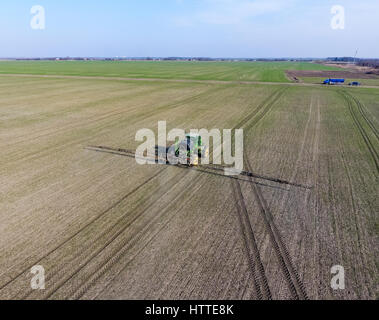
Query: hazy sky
[[213, 28]]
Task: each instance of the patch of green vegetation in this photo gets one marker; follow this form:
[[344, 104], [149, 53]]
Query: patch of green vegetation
[[224, 71]]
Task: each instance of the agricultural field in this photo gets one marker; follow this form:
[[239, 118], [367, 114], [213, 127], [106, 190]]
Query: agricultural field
[[104, 227], [223, 71]]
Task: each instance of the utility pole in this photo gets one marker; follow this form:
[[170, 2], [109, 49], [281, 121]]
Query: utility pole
[[356, 52]]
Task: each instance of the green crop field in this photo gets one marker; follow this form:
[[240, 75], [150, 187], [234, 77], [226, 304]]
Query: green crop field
[[105, 227], [227, 71]]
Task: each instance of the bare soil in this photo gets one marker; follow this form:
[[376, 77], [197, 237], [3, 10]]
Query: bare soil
[[105, 227]]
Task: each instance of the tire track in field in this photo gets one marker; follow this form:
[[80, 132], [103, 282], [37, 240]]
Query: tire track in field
[[97, 218], [120, 251], [362, 111], [268, 102], [310, 138], [34, 154], [300, 155], [116, 112], [352, 217], [362, 131], [115, 256], [294, 283], [260, 281], [120, 110], [111, 234], [317, 274], [265, 110], [356, 220], [132, 153], [251, 248], [194, 187], [88, 120], [293, 280]]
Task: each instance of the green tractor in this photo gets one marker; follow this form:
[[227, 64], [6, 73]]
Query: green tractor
[[192, 147]]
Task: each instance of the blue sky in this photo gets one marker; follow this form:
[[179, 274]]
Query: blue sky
[[213, 28]]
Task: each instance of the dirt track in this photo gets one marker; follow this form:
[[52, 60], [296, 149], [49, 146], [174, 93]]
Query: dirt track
[[220, 82], [105, 227]]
